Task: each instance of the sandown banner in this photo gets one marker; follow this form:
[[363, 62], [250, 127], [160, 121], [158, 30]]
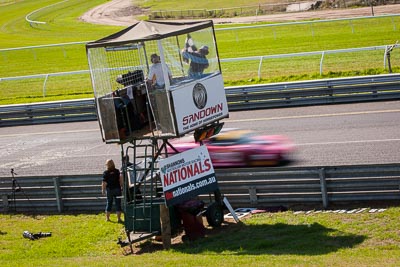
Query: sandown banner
[[186, 175], [199, 103]]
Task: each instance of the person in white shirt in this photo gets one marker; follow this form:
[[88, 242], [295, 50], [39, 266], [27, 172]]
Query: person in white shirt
[[156, 77]]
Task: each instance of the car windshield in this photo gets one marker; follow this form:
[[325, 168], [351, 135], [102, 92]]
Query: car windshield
[[229, 139]]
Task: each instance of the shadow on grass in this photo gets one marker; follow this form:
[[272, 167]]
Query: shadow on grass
[[277, 239]]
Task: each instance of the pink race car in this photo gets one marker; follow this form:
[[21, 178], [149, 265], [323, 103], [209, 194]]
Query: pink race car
[[241, 148]]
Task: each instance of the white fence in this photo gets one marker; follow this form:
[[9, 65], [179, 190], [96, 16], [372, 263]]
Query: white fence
[[265, 9], [261, 59]]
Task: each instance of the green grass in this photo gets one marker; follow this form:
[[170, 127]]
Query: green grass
[[63, 26], [270, 239], [62, 23]]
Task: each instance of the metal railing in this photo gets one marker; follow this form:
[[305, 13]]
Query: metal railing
[[322, 54], [293, 187], [256, 10], [260, 9], [316, 92], [34, 22]]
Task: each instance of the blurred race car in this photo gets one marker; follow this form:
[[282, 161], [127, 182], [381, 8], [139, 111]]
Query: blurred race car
[[241, 148]]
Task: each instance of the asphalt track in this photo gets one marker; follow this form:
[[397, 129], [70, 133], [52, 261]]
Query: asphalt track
[[362, 133]]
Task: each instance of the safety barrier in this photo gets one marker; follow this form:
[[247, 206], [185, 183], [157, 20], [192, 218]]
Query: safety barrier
[[320, 187], [48, 112], [292, 187], [318, 92]]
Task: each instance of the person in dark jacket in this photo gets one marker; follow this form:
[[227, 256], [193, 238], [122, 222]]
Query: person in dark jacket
[[112, 188], [197, 58]]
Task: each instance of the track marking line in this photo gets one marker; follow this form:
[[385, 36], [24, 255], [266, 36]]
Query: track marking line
[[318, 116], [348, 142], [45, 133]]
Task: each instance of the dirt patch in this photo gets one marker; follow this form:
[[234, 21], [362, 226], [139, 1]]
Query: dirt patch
[[123, 13], [116, 12], [129, 11], [155, 244]]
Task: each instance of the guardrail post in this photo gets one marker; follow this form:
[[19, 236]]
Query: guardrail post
[[6, 204], [57, 189], [253, 195], [323, 188]]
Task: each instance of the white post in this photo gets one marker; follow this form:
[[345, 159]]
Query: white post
[[44, 85], [321, 62], [259, 68], [163, 65]]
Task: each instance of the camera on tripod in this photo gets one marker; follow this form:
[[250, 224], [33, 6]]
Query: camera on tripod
[[15, 188]]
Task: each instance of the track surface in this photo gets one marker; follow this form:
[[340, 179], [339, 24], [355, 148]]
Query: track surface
[[364, 133]]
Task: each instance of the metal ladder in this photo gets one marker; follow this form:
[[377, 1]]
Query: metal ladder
[[142, 181]]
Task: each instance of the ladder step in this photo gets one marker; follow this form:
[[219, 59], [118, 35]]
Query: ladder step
[[141, 219]]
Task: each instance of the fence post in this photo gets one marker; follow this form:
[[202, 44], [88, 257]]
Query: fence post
[[259, 68], [351, 25], [323, 187], [385, 57], [44, 85], [321, 63], [312, 29], [394, 24], [57, 189]]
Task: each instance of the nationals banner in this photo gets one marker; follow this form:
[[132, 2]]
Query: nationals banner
[[186, 175]]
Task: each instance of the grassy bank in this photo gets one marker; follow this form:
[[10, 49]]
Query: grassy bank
[[269, 239], [62, 26]]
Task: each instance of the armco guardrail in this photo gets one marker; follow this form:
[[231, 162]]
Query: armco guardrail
[[327, 91], [311, 186], [52, 194], [318, 187], [48, 112]]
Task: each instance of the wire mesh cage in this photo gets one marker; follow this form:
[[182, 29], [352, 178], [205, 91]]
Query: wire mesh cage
[[156, 79]]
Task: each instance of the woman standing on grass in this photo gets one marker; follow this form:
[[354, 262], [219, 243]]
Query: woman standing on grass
[[112, 188]]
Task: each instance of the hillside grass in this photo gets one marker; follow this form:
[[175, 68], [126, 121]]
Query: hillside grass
[[62, 23], [269, 239], [63, 26]]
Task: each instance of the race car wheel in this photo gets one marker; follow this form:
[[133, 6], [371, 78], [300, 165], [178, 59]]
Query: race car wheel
[[214, 215]]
